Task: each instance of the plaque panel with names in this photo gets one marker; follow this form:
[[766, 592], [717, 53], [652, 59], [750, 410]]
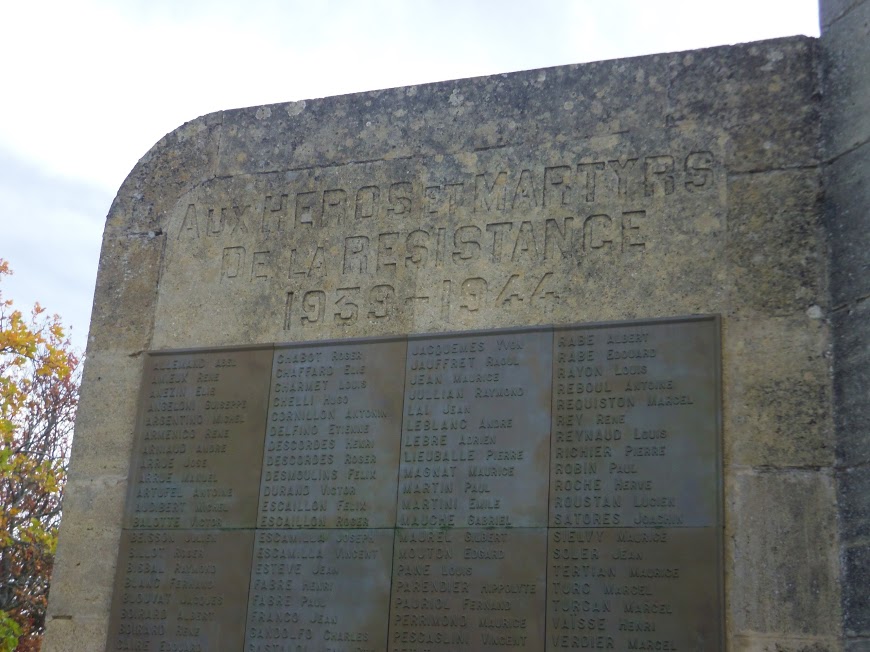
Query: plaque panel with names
[[635, 433], [181, 590], [332, 441], [468, 589], [199, 440], [475, 434], [534, 489], [319, 589]]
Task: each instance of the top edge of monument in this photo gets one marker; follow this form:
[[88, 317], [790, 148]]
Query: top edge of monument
[[507, 95], [533, 72]]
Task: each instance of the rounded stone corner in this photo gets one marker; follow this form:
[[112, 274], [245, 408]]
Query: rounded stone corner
[[135, 230], [178, 162]]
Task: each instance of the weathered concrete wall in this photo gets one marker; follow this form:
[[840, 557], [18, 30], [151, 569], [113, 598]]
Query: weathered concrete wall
[[665, 185], [845, 47]]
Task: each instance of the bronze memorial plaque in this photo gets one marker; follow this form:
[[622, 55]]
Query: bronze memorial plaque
[[320, 589], [635, 489], [634, 442], [199, 440], [475, 436], [332, 440], [468, 589], [181, 590], [534, 489]]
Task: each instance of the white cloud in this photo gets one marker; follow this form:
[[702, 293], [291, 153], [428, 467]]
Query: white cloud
[[89, 86], [53, 227], [97, 83]]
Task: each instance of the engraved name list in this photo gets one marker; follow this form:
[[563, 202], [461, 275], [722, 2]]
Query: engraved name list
[[536, 489]]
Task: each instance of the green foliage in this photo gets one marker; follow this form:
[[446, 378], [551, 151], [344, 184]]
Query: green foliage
[[9, 632], [39, 377]]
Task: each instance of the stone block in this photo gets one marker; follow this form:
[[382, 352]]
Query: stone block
[[181, 159], [107, 415], [782, 555], [123, 312], [845, 48], [847, 217], [734, 87], [831, 11], [532, 107], [856, 579], [776, 244], [333, 252], [853, 489], [852, 383], [84, 569], [776, 375], [857, 644], [75, 634], [750, 643]]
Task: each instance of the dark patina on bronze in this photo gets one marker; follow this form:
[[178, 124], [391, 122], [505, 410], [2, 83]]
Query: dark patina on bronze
[[537, 488]]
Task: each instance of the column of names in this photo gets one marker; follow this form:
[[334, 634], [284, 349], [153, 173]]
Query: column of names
[[532, 489], [633, 487]]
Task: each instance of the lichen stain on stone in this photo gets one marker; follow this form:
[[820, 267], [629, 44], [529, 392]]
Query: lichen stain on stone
[[814, 312], [468, 160], [295, 108], [773, 57], [708, 223]]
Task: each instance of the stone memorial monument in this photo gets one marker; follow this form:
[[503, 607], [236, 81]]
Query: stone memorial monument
[[570, 358]]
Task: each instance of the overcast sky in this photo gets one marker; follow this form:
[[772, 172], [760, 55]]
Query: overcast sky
[[87, 86]]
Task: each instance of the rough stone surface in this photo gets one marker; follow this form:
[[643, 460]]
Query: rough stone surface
[[534, 107], [659, 186], [776, 207], [848, 216], [780, 587], [114, 329], [845, 56], [853, 487], [852, 383], [856, 579], [777, 407], [82, 568], [857, 645], [833, 10], [736, 90], [782, 644], [76, 634], [107, 413], [845, 52]]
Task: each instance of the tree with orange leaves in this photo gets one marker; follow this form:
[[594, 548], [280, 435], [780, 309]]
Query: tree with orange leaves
[[39, 378]]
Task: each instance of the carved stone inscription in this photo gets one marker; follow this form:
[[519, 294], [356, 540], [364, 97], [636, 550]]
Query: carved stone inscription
[[500, 235], [532, 489]]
